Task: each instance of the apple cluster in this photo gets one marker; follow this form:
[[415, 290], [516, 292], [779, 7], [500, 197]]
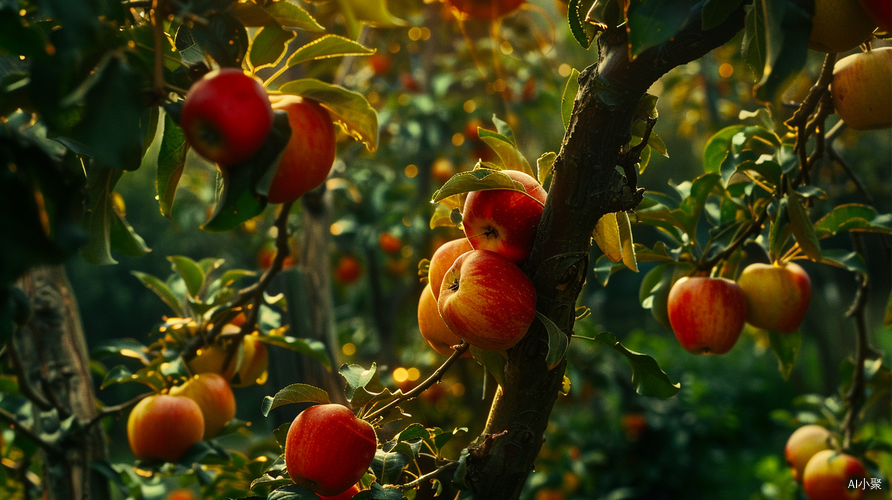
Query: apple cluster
[[822, 470], [477, 291], [707, 314], [227, 116]]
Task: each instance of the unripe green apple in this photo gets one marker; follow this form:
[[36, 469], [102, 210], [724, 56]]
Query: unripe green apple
[[310, 152], [487, 300], [827, 476], [862, 96], [777, 296], [432, 326], [226, 116], [803, 444], [505, 221], [164, 427], [706, 314], [443, 259], [328, 449], [215, 398], [839, 26]]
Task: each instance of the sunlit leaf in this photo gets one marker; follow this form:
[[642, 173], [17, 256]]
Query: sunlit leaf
[[268, 45], [569, 97], [294, 393], [558, 342], [606, 236], [351, 110], [853, 217], [161, 290], [476, 180], [648, 378], [326, 47]]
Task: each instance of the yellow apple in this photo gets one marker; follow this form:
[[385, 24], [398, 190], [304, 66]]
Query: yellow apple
[[862, 94]]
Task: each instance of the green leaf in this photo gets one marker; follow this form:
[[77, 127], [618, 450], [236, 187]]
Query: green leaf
[[124, 240], [292, 492], [310, 347], [844, 259], [688, 213], [583, 31], [166, 156], [802, 227], [785, 346], [493, 361], [351, 109], [775, 44], [476, 180], [544, 167], [357, 377], [770, 170], [161, 290], [656, 285], [780, 231], [625, 237], [853, 217], [294, 393], [718, 146], [558, 342], [224, 38], [268, 45], [290, 14], [511, 157], [604, 269], [652, 22], [100, 214], [568, 98], [326, 47], [388, 467], [647, 377], [192, 274], [716, 11], [130, 348]]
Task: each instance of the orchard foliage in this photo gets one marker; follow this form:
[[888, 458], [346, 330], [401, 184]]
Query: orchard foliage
[[434, 101]]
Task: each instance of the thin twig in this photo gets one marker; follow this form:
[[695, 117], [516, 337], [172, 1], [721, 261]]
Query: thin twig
[[112, 410], [445, 469], [417, 390], [855, 396]]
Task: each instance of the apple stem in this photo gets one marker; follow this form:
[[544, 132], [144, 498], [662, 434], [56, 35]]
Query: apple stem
[[417, 390]]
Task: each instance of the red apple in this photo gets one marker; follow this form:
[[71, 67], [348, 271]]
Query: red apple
[[880, 11], [827, 476], [706, 314], [389, 243], [803, 444], [484, 9], [862, 96], [215, 398], [443, 259], [310, 153], [777, 296], [487, 300], [432, 326], [348, 270], [503, 220], [226, 116], [347, 495], [164, 427], [328, 449]]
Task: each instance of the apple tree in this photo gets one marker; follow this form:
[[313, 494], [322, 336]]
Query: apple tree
[[226, 109]]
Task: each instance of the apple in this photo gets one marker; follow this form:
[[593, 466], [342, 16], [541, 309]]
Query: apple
[[432, 326], [328, 449], [777, 296], [827, 475], [255, 361], [389, 243], [210, 359], [215, 398], [839, 26], [503, 220], [164, 427], [348, 270], [484, 9], [880, 11], [226, 116], [443, 259], [310, 152], [347, 495], [803, 444], [487, 300], [707, 314], [861, 92]]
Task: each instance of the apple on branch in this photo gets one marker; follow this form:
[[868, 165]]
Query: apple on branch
[[328, 449], [215, 398], [777, 295], [432, 326], [707, 314], [150, 431], [226, 116], [505, 221], [803, 444], [487, 300], [862, 96], [828, 474], [443, 259]]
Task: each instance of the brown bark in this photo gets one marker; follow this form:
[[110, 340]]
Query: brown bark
[[585, 186], [51, 359]]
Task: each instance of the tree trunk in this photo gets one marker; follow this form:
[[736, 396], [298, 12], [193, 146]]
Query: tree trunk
[[585, 186], [50, 357]]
